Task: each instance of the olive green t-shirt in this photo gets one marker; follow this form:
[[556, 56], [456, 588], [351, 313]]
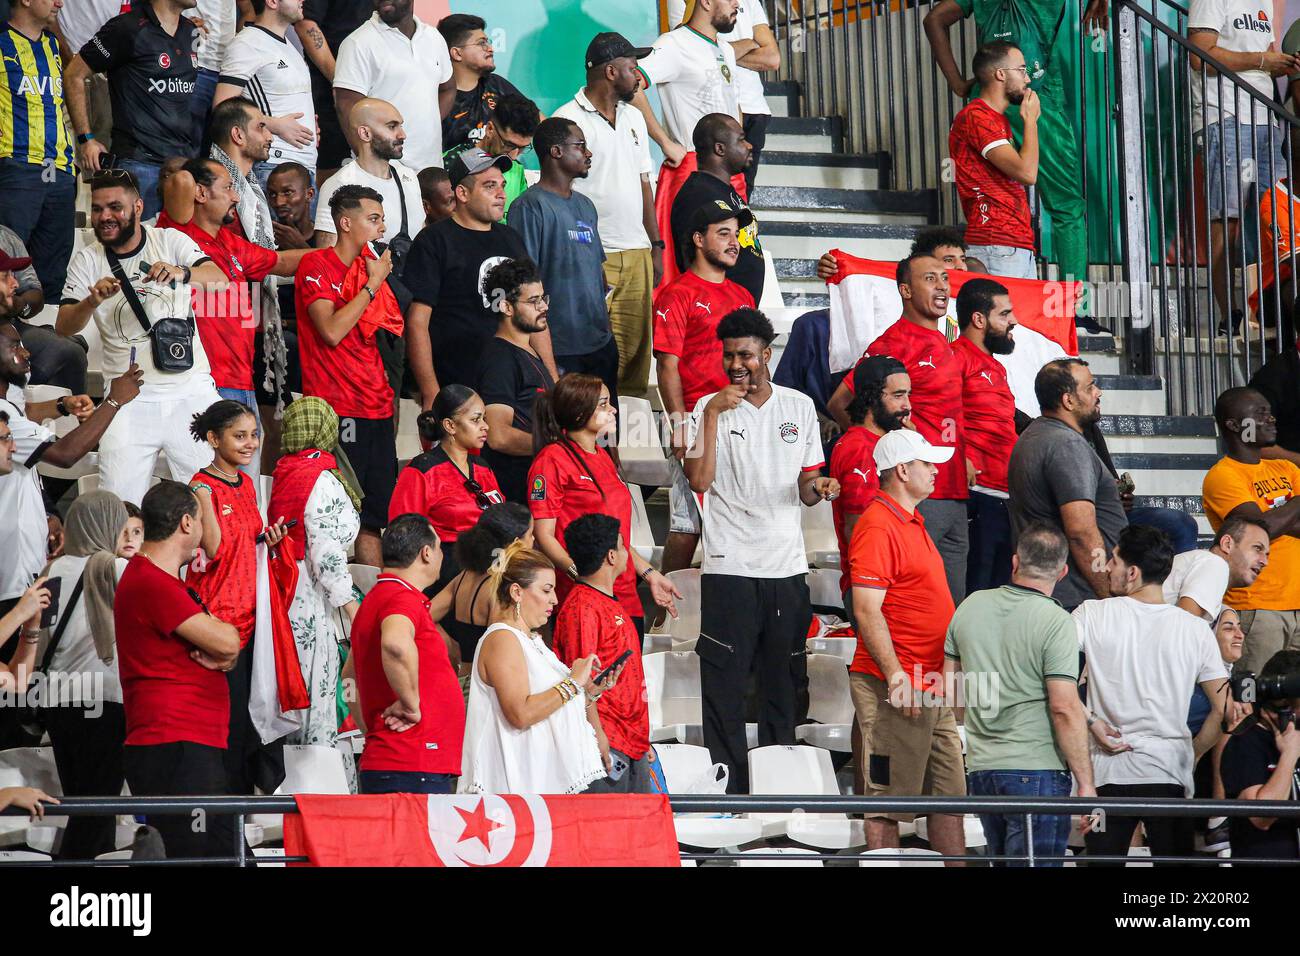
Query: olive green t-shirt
[[1004, 20], [1010, 641]]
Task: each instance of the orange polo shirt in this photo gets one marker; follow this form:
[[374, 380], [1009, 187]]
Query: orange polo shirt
[[892, 551]]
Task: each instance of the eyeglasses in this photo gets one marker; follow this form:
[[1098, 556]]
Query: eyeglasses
[[1017, 69], [523, 149], [480, 499], [539, 300], [580, 144], [482, 43], [6, 438]]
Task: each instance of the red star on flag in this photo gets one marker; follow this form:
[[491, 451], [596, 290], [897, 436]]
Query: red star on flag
[[477, 825]]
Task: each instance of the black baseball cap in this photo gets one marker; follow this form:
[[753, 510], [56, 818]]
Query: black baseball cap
[[610, 46], [472, 161], [718, 211]]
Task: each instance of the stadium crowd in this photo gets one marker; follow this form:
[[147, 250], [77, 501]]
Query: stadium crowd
[[499, 648]]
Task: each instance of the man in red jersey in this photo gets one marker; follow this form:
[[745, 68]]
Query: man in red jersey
[[171, 658], [688, 354], [991, 173], [200, 201], [409, 699], [917, 340], [344, 367], [986, 321], [593, 621], [882, 402]]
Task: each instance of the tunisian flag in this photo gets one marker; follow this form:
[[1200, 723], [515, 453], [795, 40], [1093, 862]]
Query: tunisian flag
[[478, 830], [865, 302]]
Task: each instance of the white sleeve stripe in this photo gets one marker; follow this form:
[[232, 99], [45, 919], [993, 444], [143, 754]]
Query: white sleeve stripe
[[994, 145]]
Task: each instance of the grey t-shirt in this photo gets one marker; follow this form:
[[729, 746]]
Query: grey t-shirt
[[13, 247], [1052, 465], [562, 238]]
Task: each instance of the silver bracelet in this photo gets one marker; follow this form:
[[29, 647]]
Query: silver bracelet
[[113, 402]]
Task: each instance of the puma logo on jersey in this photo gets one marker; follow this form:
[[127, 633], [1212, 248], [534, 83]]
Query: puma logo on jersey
[[315, 279], [929, 360], [740, 432], [662, 315], [987, 377], [585, 478], [706, 308], [14, 60], [865, 476]]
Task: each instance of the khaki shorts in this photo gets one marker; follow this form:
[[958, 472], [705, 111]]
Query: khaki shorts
[[1267, 632], [909, 756]]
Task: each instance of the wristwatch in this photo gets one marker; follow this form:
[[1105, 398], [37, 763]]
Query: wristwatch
[[186, 272], [83, 138], [60, 406], [658, 244]]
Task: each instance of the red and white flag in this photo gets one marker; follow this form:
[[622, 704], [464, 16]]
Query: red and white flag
[[479, 830], [865, 302]]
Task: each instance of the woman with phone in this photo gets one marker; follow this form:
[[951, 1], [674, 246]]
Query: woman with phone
[[531, 726], [224, 576], [315, 485], [444, 484], [84, 716], [574, 475]]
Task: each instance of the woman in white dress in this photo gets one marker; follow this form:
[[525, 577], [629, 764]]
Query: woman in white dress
[[314, 485], [530, 727]]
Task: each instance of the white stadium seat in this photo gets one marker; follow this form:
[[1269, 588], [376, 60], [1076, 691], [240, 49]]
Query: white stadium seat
[[672, 684], [685, 767], [819, 542], [642, 535], [686, 626], [867, 858], [829, 704], [800, 771], [363, 576], [641, 451]]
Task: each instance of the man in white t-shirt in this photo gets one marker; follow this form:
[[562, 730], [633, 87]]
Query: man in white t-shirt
[[1199, 579], [1241, 143], [396, 56], [377, 129], [27, 537], [160, 265], [261, 65], [756, 457], [751, 25], [210, 46], [1144, 659], [619, 186]]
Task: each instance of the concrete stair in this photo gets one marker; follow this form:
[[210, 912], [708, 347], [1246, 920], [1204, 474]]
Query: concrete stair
[[810, 197]]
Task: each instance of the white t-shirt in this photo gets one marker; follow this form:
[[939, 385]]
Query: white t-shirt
[[353, 175], [24, 530], [1201, 576], [378, 60], [749, 83], [274, 76], [119, 329], [73, 669], [695, 77], [1243, 27], [81, 19], [752, 514], [210, 48], [620, 157], [1144, 662]]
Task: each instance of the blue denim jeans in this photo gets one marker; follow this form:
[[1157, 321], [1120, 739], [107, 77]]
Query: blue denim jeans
[[1179, 526], [405, 781], [205, 89], [146, 177], [1006, 833], [40, 206]]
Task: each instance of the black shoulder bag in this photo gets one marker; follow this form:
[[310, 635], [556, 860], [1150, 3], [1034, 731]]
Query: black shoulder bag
[[172, 340], [31, 719]]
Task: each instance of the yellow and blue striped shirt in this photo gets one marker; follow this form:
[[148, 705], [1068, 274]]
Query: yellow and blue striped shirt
[[33, 124]]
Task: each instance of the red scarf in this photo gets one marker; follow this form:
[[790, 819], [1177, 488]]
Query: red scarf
[[382, 312], [295, 477]]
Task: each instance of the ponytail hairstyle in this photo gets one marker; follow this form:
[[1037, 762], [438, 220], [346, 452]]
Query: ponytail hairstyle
[[217, 417], [515, 564], [498, 526], [450, 400], [567, 407]]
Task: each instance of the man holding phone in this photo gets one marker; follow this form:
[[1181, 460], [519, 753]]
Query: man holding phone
[[593, 621]]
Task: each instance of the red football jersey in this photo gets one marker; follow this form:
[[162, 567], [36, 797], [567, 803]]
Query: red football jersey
[[228, 586], [853, 466], [990, 411], [687, 312], [350, 375], [936, 396], [432, 485], [996, 206], [592, 622]]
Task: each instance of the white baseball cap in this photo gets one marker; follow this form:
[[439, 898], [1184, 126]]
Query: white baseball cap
[[903, 445]]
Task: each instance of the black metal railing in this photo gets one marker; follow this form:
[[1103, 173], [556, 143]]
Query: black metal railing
[[241, 807]]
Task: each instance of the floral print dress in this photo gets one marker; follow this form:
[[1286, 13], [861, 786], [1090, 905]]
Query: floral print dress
[[331, 524]]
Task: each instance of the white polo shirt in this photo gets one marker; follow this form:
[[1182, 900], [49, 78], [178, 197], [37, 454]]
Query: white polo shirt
[[274, 77], [1201, 576], [752, 514], [119, 329], [378, 60], [81, 19], [405, 185], [749, 83], [24, 531], [695, 76], [620, 157], [1243, 27]]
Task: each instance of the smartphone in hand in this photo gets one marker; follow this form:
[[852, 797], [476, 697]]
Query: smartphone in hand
[[50, 616]]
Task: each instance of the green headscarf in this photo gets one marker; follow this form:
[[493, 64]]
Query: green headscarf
[[310, 423]]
